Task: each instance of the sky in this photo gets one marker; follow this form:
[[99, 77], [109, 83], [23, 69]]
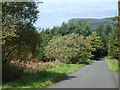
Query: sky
[[55, 12]]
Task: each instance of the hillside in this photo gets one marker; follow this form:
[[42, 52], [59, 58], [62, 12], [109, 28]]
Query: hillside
[[92, 21]]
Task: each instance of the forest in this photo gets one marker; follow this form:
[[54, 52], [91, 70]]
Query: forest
[[26, 48]]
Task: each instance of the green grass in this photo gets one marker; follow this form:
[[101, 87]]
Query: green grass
[[42, 79], [113, 65]]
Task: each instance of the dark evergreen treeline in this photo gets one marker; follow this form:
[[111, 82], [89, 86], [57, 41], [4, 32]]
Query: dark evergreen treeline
[[107, 34]]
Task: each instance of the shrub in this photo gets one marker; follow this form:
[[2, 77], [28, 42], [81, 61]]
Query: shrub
[[11, 72], [71, 48], [16, 69], [89, 61]]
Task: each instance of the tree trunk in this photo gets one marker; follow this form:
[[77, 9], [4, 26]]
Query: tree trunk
[[108, 48]]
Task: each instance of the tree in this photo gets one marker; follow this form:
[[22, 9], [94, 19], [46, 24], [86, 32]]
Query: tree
[[108, 30], [86, 29], [19, 35], [46, 36], [100, 31], [97, 45], [117, 18], [113, 38], [72, 27], [63, 29]]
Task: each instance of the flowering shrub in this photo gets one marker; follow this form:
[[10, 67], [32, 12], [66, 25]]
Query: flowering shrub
[[34, 65], [15, 68], [72, 48], [29, 66]]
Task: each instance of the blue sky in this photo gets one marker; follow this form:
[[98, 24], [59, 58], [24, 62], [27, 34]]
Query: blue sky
[[53, 13]]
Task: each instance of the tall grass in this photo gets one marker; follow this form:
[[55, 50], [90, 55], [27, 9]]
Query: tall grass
[[113, 65]]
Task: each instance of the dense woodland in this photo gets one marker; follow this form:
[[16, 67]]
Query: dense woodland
[[72, 42]]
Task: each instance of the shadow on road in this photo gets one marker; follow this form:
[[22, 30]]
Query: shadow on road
[[70, 77], [99, 59]]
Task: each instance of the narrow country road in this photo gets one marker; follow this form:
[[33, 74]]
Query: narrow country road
[[95, 75]]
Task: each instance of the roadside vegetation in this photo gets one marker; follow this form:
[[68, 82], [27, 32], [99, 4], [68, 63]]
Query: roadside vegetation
[[33, 58], [44, 78], [113, 65]]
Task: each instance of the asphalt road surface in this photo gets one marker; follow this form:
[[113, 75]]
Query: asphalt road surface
[[95, 75]]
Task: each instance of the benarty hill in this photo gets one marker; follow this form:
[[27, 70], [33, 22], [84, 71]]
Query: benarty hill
[[94, 22]]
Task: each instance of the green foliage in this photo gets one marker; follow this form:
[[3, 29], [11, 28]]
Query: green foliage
[[100, 41], [103, 33], [115, 18], [113, 65], [97, 45], [16, 69], [8, 30], [84, 29], [108, 29], [100, 31], [109, 37], [42, 79], [96, 42], [19, 35], [46, 36], [71, 48], [113, 36], [72, 42], [64, 29], [89, 61], [105, 29]]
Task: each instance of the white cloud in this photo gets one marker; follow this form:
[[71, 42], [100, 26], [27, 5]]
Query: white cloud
[[79, 0], [54, 13]]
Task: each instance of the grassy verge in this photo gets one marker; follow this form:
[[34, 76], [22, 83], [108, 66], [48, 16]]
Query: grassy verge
[[113, 65], [42, 79]]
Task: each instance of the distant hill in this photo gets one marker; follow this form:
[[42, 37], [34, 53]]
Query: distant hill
[[94, 22]]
